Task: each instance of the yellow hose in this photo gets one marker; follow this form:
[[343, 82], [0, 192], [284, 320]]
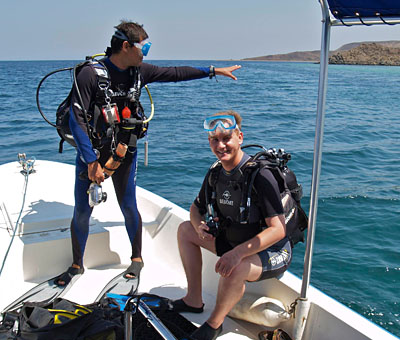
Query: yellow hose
[[152, 105], [98, 55]]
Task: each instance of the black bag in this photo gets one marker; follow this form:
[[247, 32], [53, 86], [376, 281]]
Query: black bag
[[65, 320], [178, 325]]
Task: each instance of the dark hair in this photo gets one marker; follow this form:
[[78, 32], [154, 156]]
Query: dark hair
[[134, 32]]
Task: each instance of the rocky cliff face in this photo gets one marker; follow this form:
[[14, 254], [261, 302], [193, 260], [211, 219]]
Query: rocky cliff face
[[312, 56], [368, 54], [357, 53]]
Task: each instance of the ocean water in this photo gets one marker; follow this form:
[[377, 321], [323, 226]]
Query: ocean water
[[356, 256]]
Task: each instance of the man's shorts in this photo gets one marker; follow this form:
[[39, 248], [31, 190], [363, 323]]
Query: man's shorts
[[275, 259]]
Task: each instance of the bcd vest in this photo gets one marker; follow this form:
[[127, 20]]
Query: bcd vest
[[234, 199], [104, 118]]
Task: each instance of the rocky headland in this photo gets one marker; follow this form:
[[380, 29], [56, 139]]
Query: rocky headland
[[360, 53], [368, 54]]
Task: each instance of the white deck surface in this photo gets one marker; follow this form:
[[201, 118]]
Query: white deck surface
[[42, 249]]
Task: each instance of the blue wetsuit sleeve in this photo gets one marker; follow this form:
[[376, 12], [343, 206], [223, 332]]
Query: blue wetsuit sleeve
[[86, 81], [151, 73], [81, 138], [206, 70]]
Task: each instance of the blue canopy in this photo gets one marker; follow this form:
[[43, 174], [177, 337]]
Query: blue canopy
[[342, 9]]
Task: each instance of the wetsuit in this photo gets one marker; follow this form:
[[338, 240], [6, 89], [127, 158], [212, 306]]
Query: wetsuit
[[124, 179], [266, 202]]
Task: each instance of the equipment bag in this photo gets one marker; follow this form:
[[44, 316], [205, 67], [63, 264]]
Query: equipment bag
[[178, 325], [64, 320]]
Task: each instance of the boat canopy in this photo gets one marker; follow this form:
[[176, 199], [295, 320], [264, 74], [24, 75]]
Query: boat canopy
[[364, 8], [362, 12]]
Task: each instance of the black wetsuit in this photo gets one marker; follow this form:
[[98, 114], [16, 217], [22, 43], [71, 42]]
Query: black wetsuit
[[266, 203], [124, 179]]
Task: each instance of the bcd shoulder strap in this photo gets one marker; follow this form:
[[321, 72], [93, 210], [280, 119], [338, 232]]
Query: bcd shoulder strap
[[211, 181]]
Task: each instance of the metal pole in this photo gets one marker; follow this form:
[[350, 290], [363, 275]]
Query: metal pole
[[319, 134], [155, 322], [303, 305], [128, 325]]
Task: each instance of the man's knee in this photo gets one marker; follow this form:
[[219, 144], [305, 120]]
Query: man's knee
[[185, 231], [81, 216], [249, 269]]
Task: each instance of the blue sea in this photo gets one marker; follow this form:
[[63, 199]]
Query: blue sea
[[356, 256]]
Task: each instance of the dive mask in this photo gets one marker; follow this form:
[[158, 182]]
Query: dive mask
[[225, 122], [144, 45]]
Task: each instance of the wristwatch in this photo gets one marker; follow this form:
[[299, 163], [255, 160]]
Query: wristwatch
[[212, 72]]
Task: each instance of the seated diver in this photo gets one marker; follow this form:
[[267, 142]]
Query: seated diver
[[245, 251]]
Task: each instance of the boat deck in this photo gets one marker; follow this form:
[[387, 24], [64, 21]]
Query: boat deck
[[42, 249]]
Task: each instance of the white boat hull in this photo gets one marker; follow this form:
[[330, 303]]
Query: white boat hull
[[42, 249]]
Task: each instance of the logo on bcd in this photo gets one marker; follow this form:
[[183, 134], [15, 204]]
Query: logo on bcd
[[225, 200]]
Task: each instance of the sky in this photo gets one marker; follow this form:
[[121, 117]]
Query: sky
[[178, 29]]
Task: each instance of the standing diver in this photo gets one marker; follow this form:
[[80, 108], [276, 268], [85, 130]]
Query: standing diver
[[98, 130]]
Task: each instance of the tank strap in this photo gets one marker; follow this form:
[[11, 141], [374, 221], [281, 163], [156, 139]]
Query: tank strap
[[250, 170], [211, 180]]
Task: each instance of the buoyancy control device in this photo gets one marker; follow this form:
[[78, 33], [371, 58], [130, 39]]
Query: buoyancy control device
[[290, 191], [136, 123]]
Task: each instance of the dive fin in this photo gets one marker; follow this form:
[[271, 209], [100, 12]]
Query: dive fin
[[121, 286], [46, 291]]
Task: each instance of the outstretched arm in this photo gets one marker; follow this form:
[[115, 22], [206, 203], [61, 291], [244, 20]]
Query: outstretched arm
[[227, 71], [152, 73]]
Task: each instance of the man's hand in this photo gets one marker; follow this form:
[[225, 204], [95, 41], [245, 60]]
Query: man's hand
[[201, 231], [227, 263], [227, 71], [95, 172]]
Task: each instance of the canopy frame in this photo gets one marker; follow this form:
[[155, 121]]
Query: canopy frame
[[328, 20]]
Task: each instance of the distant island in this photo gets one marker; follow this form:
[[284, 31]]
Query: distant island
[[359, 53]]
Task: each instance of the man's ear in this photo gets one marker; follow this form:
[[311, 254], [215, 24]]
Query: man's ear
[[240, 137], [126, 45]]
